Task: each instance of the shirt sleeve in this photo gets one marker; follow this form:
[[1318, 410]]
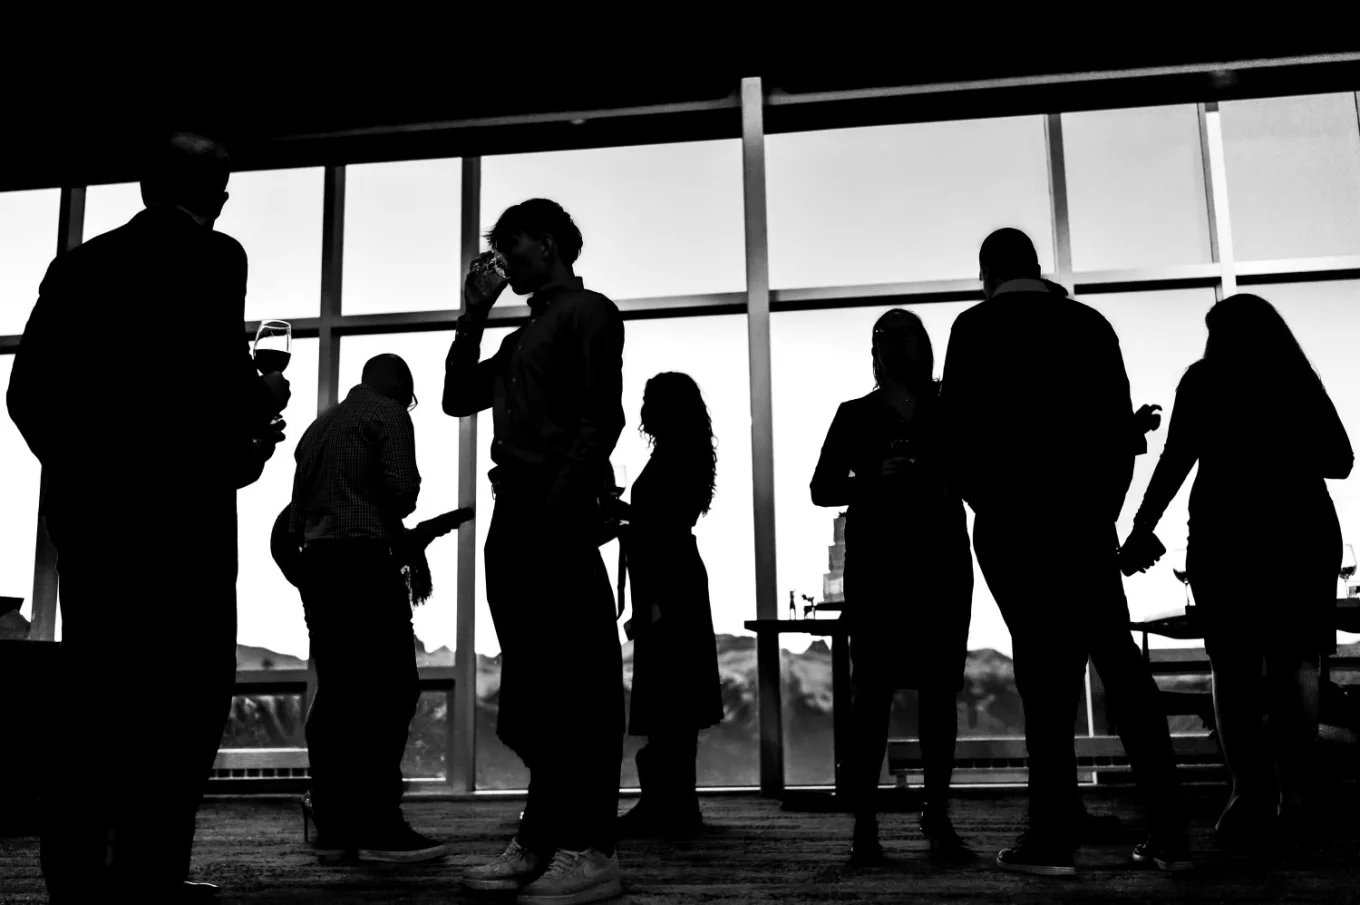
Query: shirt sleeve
[[397, 454], [39, 397], [468, 381], [598, 329], [831, 481], [1180, 453], [958, 414]]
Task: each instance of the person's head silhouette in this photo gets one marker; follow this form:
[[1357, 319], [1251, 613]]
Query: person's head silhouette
[[1006, 255], [1248, 338], [676, 420], [388, 375], [902, 352], [190, 172], [539, 242]]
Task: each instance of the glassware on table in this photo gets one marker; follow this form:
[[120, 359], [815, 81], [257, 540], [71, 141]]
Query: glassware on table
[[1181, 571], [1348, 570]]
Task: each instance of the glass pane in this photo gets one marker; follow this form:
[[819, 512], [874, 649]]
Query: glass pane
[[265, 721], [28, 242], [1160, 335], [728, 753], [658, 220], [1293, 171], [108, 207], [435, 621], [1135, 188], [1325, 317], [274, 214], [402, 229], [889, 204], [427, 744], [271, 632], [19, 515]]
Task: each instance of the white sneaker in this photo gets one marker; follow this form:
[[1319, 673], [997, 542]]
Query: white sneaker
[[511, 870], [574, 878]]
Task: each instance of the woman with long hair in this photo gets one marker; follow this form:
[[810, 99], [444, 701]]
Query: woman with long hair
[[1264, 545], [908, 573], [676, 687]]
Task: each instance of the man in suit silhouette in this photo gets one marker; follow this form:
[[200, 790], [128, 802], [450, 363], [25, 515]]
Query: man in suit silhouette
[[1042, 437], [144, 522]]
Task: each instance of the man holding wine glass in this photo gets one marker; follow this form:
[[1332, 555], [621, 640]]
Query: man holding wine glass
[[555, 388], [146, 517]]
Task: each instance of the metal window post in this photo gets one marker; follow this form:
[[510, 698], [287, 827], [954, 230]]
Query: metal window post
[[762, 437], [1216, 197], [463, 715]]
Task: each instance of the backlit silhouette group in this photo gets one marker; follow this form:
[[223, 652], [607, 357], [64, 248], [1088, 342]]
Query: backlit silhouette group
[[1032, 425]]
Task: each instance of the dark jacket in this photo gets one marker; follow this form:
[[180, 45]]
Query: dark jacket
[[134, 384], [1037, 408]]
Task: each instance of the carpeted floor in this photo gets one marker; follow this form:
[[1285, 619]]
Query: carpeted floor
[[754, 853]]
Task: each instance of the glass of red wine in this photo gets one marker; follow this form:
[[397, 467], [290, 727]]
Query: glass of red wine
[[273, 346], [273, 349]]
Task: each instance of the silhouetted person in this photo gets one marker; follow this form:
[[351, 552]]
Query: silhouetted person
[[356, 480], [109, 488], [908, 572], [555, 389], [13, 625], [1043, 437], [1265, 544], [677, 690]]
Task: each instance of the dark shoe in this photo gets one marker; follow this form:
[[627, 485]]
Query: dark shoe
[[331, 850], [1028, 857], [575, 878], [944, 842], [865, 849], [401, 845], [1173, 857], [513, 869]]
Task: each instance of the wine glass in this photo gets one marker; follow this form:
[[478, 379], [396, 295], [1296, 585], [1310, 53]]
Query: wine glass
[[273, 346], [273, 349], [1181, 571], [1347, 567]]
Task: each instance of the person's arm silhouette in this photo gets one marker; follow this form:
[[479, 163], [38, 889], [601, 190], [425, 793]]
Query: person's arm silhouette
[[832, 481], [598, 329], [469, 382], [961, 437], [39, 396], [1179, 455]]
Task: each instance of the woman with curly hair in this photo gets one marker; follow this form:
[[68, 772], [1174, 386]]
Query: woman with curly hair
[[676, 688]]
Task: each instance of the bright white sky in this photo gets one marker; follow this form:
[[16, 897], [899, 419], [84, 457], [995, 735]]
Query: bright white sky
[[846, 207]]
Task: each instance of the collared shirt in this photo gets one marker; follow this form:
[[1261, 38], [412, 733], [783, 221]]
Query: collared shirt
[[356, 472], [1025, 284], [555, 388]]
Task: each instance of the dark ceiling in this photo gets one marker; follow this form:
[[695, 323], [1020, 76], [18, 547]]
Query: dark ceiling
[[87, 127]]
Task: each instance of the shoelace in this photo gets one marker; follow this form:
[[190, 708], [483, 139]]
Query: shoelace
[[564, 861], [513, 851]]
